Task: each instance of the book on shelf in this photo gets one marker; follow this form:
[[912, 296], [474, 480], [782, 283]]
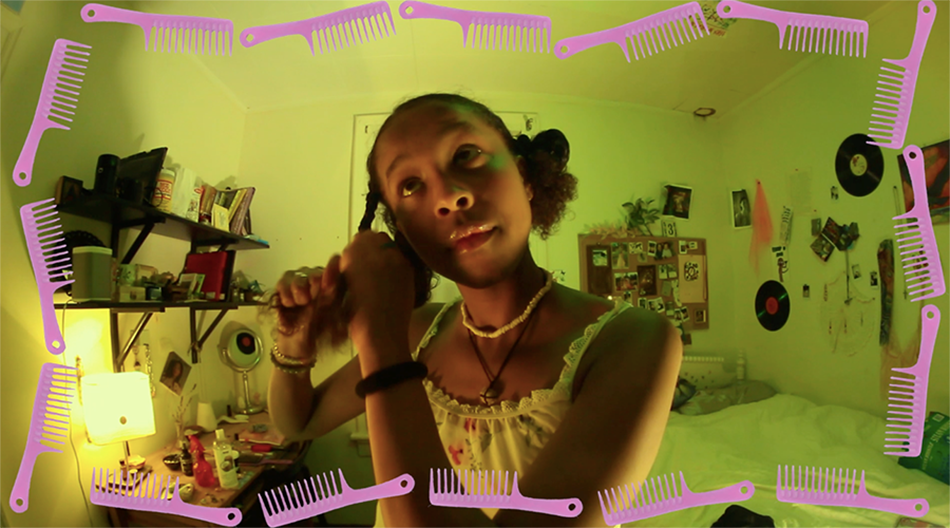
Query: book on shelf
[[237, 202]]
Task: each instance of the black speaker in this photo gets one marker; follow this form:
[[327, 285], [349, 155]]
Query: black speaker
[[106, 174]]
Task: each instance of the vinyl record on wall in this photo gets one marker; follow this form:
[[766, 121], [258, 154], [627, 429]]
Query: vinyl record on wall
[[772, 305], [859, 166]]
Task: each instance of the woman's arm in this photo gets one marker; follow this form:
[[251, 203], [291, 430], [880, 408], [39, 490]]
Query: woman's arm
[[613, 429]]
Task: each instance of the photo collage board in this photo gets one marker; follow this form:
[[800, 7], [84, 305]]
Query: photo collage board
[[662, 274]]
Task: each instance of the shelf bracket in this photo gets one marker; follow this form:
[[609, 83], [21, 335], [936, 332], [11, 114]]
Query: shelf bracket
[[139, 240], [196, 343], [135, 335]]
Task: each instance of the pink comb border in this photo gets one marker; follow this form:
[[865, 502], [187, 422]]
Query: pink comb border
[[323, 25], [642, 504], [172, 23], [49, 422], [456, 490], [831, 489], [533, 26], [56, 83]]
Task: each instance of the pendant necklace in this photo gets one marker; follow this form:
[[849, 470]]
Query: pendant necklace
[[489, 396]]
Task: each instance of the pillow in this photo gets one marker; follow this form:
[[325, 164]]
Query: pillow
[[712, 400], [934, 449]]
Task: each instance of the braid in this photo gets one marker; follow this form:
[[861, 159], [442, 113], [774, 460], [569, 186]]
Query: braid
[[372, 201]]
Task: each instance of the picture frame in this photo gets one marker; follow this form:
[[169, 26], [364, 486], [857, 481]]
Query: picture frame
[[678, 201], [175, 373], [741, 209]]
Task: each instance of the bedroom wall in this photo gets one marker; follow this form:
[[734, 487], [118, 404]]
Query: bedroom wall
[[798, 125], [300, 161], [130, 102]]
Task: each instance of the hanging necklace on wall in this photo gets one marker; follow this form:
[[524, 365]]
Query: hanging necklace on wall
[[490, 394]]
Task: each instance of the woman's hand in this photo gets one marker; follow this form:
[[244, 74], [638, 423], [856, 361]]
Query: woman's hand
[[307, 306], [380, 290]]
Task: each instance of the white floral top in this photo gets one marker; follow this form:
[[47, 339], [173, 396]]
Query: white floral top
[[508, 435]]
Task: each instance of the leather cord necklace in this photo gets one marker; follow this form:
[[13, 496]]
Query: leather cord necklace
[[489, 396]]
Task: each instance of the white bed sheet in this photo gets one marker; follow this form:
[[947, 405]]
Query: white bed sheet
[[748, 442]]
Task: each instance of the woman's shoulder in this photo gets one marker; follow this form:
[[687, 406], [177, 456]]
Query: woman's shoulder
[[421, 320]]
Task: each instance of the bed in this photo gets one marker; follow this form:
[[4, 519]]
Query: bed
[[748, 442]]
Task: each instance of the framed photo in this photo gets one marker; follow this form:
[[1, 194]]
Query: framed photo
[[741, 211], [175, 373], [678, 199]]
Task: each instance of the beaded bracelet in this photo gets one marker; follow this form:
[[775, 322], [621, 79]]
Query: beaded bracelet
[[290, 365]]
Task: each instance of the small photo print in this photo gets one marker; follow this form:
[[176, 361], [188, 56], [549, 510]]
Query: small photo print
[[700, 316], [823, 248], [628, 296], [647, 280], [693, 245], [642, 303], [633, 280], [815, 226], [662, 271], [856, 271], [678, 200], [873, 278], [665, 250], [636, 247], [659, 306], [806, 291], [619, 281], [741, 211], [677, 315], [651, 305], [600, 258], [685, 312], [684, 246], [175, 373], [670, 271], [619, 252], [669, 306], [651, 248]]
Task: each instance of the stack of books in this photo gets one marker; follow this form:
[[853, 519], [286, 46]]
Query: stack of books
[[227, 209]]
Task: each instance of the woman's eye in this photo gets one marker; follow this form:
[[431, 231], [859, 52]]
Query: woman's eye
[[469, 152], [405, 185]]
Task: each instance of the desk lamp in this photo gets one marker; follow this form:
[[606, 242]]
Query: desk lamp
[[118, 408]]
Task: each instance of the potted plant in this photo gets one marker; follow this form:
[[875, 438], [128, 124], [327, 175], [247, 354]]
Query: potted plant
[[639, 215]]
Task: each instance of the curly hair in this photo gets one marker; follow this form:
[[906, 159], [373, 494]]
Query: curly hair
[[546, 157]]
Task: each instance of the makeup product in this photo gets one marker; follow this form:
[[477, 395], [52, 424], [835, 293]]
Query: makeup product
[[186, 29], [649, 30], [62, 77], [820, 33], [224, 456]]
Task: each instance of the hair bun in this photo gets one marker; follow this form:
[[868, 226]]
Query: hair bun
[[551, 149]]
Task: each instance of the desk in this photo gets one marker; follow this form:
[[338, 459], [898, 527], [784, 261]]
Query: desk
[[253, 480]]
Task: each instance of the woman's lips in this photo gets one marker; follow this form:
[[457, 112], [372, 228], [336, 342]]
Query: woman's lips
[[473, 241]]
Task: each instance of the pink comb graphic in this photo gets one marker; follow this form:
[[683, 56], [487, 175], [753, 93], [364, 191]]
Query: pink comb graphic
[[49, 423], [147, 494], [184, 28], [57, 77], [446, 488], [832, 34], [502, 29], [916, 238], [655, 27], [50, 260], [899, 101], [308, 499], [909, 396], [831, 489], [642, 504], [324, 25]]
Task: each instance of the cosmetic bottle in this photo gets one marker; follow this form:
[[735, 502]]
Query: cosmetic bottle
[[224, 461]]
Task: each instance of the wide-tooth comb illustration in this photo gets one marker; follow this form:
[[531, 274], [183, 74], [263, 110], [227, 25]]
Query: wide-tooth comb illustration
[[446, 488], [644, 501], [666, 24], [216, 34], [830, 488], [50, 423], [47, 248], [923, 271], [324, 25], [898, 102], [60, 79], [309, 498], [148, 494], [821, 33], [909, 395], [503, 29]]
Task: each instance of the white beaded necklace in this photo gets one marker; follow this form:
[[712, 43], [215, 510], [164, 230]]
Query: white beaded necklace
[[548, 284]]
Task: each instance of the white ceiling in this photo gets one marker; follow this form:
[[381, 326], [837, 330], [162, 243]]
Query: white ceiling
[[715, 72]]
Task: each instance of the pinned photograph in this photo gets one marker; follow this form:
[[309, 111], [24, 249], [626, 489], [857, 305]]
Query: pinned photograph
[[684, 246], [678, 199], [823, 248], [620, 281], [642, 303], [619, 252], [856, 271], [700, 316], [636, 247], [662, 270], [633, 279], [693, 245], [600, 258], [647, 280], [175, 373], [741, 211], [628, 297], [651, 248], [873, 278]]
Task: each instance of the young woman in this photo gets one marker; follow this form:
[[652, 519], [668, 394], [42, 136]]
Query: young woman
[[518, 374]]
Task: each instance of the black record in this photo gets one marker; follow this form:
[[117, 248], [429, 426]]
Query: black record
[[859, 166], [772, 305]]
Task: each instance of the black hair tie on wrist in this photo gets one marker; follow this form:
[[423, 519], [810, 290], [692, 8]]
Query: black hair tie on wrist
[[390, 376]]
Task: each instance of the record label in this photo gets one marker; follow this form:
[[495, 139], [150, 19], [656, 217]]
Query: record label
[[772, 305], [859, 166]]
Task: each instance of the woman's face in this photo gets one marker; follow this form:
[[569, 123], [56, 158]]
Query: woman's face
[[441, 169], [176, 370]]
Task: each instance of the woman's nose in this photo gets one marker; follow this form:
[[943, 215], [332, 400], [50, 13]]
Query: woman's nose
[[453, 197]]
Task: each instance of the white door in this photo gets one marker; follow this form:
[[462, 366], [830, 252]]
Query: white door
[[365, 129]]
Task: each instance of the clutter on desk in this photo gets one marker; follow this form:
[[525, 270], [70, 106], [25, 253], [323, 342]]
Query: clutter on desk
[[269, 436], [204, 475], [224, 460]]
